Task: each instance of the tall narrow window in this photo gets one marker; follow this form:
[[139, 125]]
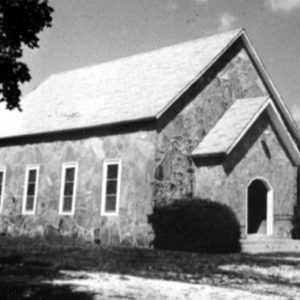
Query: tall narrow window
[[30, 190], [2, 183], [68, 189], [111, 187]]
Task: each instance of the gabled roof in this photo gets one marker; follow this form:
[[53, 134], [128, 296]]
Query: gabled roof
[[128, 89], [276, 97], [236, 122], [221, 138], [131, 89]]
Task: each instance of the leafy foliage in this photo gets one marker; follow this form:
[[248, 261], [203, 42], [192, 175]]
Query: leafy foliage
[[20, 23], [195, 225]]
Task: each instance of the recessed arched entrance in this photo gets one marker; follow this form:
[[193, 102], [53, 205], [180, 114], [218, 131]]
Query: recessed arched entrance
[[259, 207]]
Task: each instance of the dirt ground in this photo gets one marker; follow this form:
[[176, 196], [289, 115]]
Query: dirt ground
[[111, 286], [39, 270]]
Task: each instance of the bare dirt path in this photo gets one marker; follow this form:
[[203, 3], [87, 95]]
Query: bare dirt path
[[111, 286]]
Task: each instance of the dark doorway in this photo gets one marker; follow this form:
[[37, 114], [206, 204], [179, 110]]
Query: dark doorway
[[257, 207]]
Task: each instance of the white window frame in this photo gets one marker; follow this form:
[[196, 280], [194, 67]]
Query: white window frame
[[106, 163], [63, 179], [28, 169], [2, 169]]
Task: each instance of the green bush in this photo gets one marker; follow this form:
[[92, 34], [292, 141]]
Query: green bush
[[195, 225]]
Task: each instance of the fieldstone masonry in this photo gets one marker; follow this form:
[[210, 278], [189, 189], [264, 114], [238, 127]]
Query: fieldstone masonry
[[156, 165], [259, 155], [178, 176], [232, 78], [137, 153]]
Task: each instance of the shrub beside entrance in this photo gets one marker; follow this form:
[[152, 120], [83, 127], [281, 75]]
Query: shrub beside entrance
[[195, 225]]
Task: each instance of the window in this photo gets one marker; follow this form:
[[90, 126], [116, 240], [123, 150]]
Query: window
[[68, 189], [2, 183], [30, 190], [111, 187]]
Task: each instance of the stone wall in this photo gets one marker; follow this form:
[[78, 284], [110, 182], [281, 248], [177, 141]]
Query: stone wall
[[198, 110], [136, 149], [144, 153], [259, 154], [190, 119]]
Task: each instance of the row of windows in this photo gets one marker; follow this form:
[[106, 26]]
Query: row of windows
[[110, 188]]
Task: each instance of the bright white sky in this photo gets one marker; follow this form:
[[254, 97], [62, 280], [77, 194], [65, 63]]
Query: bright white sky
[[87, 32]]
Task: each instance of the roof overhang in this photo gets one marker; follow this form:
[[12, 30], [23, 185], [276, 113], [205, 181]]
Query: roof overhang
[[283, 112], [203, 71], [277, 122], [282, 108], [280, 104]]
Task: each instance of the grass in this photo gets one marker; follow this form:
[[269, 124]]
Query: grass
[[26, 263]]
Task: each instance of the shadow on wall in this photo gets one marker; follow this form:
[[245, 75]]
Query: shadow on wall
[[197, 87], [247, 142], [296, 217], [78, 134], [239, 152]]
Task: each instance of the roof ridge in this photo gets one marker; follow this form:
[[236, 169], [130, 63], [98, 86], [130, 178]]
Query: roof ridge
[[130, 88], [238, 33], [156, 50]]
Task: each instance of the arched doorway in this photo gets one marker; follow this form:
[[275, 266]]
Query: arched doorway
[[259, 207]]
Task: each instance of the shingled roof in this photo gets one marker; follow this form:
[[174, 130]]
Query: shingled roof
[[222, 137], [128, 89], [236, 122]]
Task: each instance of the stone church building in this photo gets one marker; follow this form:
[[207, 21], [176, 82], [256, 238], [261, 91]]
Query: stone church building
[[95, 148]]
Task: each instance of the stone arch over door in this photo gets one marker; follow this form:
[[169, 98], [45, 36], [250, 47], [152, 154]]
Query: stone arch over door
[[259, 207]]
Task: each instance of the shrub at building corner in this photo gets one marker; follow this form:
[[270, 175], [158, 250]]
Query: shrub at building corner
[[195, 225]]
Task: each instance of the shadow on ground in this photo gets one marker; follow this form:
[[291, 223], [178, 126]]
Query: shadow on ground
[[41, 291], [21, 279], [27, 267]]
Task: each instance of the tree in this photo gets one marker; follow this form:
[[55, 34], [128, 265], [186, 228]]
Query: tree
[[20, 23]]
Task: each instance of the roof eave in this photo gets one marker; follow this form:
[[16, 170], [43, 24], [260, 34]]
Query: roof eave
[[209, 155], [291, 147], [271, 87], [284, 134], [213, 61], [74, 129], [277, 121], [262, 71], [248, 126]]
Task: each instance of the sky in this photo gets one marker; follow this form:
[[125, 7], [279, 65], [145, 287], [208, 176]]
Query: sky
[[87, 32]]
